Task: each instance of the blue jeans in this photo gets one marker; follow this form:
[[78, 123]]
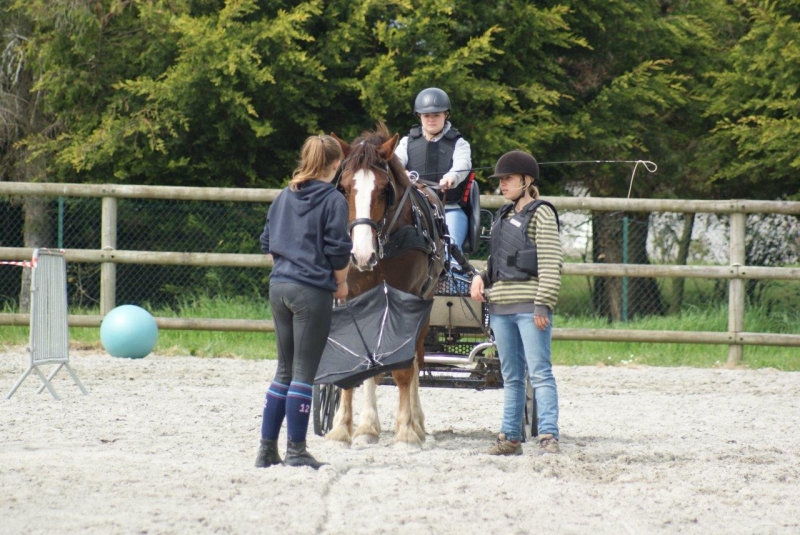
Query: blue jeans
[[521, 345], [456, 220]]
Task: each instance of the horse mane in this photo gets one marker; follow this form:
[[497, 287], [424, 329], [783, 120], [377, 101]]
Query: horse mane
[[364, 154]]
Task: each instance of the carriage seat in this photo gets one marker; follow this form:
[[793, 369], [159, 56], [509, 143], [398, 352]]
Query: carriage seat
[[450, 311]]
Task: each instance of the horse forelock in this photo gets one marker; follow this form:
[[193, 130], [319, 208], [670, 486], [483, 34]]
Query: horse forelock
[[364, 154]]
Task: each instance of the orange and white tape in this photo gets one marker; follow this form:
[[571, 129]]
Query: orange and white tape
[[25, 263]]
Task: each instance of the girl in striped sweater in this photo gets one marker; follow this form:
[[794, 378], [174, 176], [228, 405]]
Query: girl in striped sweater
[[521, 285]]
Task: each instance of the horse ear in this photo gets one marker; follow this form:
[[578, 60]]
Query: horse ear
[[387, 149], [342, 143]]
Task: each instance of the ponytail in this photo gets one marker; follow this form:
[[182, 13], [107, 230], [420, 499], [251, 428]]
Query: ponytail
[[316, 156], [532, 190]]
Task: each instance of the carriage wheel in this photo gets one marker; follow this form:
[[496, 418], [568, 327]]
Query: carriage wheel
[[530, 423], [325, 399]]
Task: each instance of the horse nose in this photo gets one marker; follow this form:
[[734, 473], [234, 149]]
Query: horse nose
[[370, 262], [363, 252]]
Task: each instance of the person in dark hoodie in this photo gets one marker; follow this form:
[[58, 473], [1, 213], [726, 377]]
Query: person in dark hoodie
[[306, 234]]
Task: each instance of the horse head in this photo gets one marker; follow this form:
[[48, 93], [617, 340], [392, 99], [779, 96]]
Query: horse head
[[370, 178]]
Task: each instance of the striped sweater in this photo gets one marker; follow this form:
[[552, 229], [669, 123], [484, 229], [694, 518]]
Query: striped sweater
[[534, 294]]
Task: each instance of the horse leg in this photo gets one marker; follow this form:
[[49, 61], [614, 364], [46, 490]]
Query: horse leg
[[369, 426], [417, 416], [409, 429], [342, 429]]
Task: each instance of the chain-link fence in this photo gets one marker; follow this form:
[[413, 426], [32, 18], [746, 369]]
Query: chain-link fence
[[587, 237], [672, 239], [145, 225]]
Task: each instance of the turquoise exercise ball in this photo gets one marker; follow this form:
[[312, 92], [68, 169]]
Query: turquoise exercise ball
[[129, 332]]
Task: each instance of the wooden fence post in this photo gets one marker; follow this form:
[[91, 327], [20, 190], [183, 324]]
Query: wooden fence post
[[108, 242], [736, 286]]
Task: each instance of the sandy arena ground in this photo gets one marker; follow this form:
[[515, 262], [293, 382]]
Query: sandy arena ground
[[167, 445]]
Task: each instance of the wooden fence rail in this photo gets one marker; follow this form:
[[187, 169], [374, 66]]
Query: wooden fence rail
[[736, 272], [96, 256], [487, 201]]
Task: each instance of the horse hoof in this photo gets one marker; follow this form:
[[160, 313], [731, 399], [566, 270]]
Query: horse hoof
[[338, 444], [365, 440], [409, 437], [339, 436], [410, 447]]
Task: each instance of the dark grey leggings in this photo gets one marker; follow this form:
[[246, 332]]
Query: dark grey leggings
[[302, 317]]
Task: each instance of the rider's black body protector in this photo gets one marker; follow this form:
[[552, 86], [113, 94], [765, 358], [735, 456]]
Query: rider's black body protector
[[432, 159]]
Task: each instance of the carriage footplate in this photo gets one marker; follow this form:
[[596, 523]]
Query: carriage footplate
[[455, 377]]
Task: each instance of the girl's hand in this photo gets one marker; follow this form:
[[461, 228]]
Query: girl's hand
[[541, 322], [341, 290], [477, 288], [445, 184]]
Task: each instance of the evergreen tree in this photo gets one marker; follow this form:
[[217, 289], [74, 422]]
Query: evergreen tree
[[751, 149]]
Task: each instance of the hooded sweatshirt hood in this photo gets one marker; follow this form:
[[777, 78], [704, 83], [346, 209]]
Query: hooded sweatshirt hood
[[309, 195], [306, 233]]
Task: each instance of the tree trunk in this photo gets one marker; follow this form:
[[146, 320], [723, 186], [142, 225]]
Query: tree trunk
[[644, 296], [607, 249], [683, 256], [37, 231]]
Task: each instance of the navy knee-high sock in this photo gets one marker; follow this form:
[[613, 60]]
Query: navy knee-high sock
[[298, 410], [274, 411]]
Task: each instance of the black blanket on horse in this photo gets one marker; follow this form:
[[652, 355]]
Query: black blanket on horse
[[373, 333]]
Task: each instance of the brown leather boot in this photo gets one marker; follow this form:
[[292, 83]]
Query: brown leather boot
[[268, 454], [297, 455], [547, 444]]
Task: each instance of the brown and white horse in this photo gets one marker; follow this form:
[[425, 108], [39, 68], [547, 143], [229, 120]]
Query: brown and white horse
[[375, 184]]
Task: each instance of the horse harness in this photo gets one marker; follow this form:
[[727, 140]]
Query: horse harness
[[391, 196], [424, 233]]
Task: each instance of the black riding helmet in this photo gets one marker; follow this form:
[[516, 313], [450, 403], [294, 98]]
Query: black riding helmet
[[516, 162], [431, 100]]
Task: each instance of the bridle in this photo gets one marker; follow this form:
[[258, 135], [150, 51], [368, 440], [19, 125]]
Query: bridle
[[382, 230], [390, 200]]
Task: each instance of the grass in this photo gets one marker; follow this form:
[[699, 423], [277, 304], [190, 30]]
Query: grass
[[219, 344], [216, 344], [776, 295], [574, 353]]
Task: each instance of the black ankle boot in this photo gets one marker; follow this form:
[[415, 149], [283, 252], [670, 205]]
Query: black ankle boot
[[296, 455], [268, 454]]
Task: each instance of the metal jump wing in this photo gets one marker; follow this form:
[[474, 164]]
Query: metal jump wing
[[373, 333]]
